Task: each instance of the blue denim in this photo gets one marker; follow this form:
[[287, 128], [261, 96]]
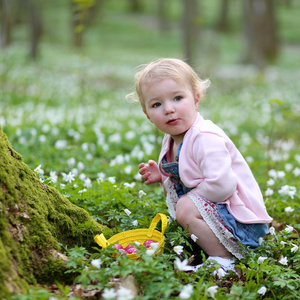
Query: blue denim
[[172, 169], [246, 234]]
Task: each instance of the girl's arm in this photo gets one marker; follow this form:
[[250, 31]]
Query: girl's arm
[[217, 180], [150, 172]]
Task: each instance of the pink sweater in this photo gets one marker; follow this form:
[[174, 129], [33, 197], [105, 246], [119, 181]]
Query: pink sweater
[[210, 162]]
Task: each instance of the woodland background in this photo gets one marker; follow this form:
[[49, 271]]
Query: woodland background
[[65, 70]]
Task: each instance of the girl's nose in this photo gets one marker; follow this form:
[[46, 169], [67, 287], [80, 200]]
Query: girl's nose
[[168, 108]]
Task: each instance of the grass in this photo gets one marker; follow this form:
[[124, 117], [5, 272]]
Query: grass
[[67, 112]]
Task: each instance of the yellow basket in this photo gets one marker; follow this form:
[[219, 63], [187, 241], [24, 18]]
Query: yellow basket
[[137, 235]]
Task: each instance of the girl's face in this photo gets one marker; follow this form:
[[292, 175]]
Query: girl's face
[[171, 106]]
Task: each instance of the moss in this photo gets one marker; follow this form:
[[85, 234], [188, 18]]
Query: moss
[[34, 220]]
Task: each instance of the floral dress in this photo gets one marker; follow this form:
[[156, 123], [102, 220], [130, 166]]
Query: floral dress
[[210, 212]]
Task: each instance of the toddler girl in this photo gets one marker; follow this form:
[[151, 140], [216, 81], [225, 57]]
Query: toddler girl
[[208, 185]]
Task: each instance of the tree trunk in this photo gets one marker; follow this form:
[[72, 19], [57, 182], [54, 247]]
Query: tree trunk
[[6, 23], [135, 6], [162, 15], [35, 26], [222, 21], [260, 32], [34, 219], [190, 29]]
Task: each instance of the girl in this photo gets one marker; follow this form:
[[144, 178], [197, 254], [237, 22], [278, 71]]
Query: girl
[[208, 185]]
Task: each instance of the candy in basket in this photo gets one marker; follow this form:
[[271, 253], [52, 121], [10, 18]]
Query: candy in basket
[[142, 236]]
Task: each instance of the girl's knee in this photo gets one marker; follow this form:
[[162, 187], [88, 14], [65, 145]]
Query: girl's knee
[[182, 215], [186, 212]]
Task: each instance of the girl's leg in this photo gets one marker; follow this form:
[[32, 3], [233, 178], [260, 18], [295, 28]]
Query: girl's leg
[[188, 215]]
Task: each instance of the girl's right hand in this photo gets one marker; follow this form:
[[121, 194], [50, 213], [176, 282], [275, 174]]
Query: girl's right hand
[[150, 172]]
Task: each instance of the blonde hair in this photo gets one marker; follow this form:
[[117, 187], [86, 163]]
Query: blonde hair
[[167, 68]]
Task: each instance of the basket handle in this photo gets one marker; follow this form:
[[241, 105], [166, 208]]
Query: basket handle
[[101, 240], [157, 218]]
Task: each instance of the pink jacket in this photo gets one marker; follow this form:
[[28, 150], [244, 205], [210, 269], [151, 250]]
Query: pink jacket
[[210, 162]]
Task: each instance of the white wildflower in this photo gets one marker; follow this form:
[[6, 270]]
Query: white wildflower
[[61, 144], [182, 265], [296, 172], [109, 293], [288, 209], [80, 166], [96, 263], [288, 190], [68, 177], [272, 173], [295, 248], [53, 177], [85, 147], [260, 240], [89, 156], [111, 179], [154, 246], [82, 176], [75, 171], [129, 185], [280, 174], [127, 212], [270, 182], [221, 273], [212, 290], [124, 294], [289, 229], [71, 162], [150, 252], [283, 243], [269, 192], [262, 290], [135, 223], [297, 158], [39, 170], [261, 259], [128, 170], [42, 138], [272, 230], [288, 167], [194, 237], [283, 261], [178, 249], [88, 183], [186, 292], [141, 193], [82, 191]]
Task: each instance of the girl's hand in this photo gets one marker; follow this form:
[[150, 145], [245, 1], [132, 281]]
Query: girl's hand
[[150, 172]]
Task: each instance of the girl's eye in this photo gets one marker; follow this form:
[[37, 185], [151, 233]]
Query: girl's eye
[[156, 104], [177, 98]]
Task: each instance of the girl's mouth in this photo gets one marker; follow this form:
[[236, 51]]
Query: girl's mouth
[[171, 122]]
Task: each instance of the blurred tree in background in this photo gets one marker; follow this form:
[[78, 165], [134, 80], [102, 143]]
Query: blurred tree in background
[[260, 32], [14, 12], [258, 24]]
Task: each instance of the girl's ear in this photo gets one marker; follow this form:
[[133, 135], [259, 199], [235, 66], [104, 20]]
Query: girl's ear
[[197, 100], [146, 115]]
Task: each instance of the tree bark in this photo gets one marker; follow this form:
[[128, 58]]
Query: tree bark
[[162, 15], [6, 23], [34, 219], [222, 21], [260, 32], [190, 29]]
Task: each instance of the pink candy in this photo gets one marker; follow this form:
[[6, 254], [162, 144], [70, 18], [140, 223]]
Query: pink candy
[[148, 243], [117, 246], [130, 249]]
